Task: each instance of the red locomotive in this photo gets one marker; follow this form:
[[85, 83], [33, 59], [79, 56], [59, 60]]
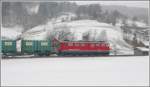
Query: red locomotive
[[83, 48]]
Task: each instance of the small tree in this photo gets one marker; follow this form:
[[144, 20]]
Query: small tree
[[94, 11], [135, 42], [114, 16], [134, 19], [86, 36], [63, 33]]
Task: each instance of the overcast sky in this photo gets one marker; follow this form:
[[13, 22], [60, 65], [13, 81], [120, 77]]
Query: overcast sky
[[143, 4]]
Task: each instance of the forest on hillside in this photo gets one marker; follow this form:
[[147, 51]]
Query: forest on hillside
[[21, 13]]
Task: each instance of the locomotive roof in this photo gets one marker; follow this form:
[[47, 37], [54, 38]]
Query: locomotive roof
[[84, 41]]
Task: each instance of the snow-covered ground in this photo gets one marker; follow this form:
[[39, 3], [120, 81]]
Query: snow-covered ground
[[137, 23], [11, 33], [92, 71]]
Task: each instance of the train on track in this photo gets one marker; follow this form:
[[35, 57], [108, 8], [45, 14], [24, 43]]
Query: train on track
[[61, 48]]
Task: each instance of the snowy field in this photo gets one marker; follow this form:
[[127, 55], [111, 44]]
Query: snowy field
[[92, 71]]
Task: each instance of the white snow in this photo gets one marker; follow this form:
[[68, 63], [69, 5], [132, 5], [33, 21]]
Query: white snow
[[65, 16], [91, 71], [40, 32], [146, 43], [140, 24], [11, 33], [88, 23], [143, 49], [137, 23], [18, 45]]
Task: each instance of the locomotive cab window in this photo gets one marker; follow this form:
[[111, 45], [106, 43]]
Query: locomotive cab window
[[103, 45], [92, 45], [82, 44]]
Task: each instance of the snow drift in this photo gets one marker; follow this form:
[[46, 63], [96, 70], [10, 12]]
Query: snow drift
[[11, 33], [137, 23]]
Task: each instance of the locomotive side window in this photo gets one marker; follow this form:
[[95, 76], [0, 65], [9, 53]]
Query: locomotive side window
[[82, 44], [70, 44], [76, 44], [92, 45], [65, 44], [102, 45], [97, 44]]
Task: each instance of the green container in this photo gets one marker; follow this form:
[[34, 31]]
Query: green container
[[40, 47], [0, 46], [28, 46], [9, 46], [44, 47]]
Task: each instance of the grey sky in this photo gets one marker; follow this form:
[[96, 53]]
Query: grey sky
[[143, 4]]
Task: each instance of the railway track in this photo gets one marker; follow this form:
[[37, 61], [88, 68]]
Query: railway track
[[32, 56]]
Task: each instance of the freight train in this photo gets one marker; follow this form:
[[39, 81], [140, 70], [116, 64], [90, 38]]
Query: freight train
[[61, 48]]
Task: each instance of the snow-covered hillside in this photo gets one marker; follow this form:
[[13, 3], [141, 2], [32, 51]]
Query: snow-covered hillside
[[40, 32], [65, 17]]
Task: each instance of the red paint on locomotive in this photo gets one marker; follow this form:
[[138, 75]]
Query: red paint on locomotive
[[84, 46]]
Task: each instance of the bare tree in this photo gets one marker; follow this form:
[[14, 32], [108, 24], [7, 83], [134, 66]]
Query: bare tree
[[86, 36], [63, 33]]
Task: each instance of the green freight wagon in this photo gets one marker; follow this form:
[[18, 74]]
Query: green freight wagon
[[0, 47], [9, 47], [37, 47], [44, 47], [28, 46]]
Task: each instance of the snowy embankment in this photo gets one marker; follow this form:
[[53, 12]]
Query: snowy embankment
[[91, 71], [137, 23], [113, 34], [40, 32], [11, 33]]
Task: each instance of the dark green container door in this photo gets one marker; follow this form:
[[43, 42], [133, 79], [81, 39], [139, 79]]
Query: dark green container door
[[9, 46], [44, 47], [28, 46], [36, 46], [0, 46]]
